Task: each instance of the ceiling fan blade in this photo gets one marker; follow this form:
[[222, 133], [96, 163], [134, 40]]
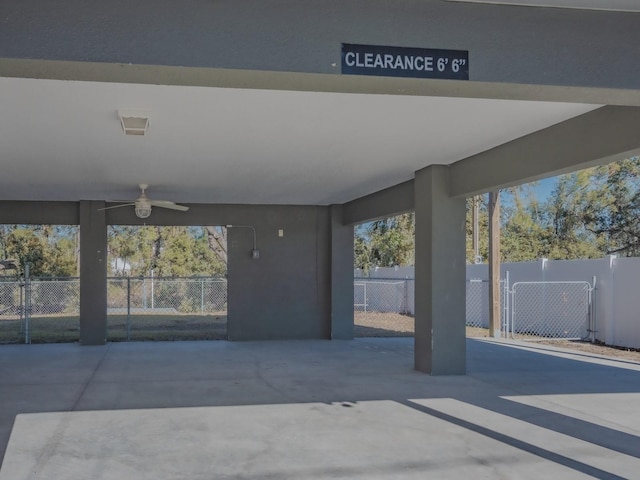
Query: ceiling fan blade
[[169, 205], [116, 206]]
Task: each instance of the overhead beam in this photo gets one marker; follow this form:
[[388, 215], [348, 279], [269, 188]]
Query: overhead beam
[[39, 213], [385, 203], [307, 82], [601, 136]]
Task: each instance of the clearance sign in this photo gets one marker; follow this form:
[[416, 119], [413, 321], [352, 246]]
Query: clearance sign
[[404, 62]]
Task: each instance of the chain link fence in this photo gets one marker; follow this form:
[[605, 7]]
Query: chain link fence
[[47, 310], [562, 310], [383, 307], [544, 310], [146, 308], [39, 310], [149, 308], [11, 302]]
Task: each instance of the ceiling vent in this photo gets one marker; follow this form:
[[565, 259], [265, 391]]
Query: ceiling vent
[[134, 122]]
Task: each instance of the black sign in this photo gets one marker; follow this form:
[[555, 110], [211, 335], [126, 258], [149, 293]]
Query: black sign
[[405, 62]]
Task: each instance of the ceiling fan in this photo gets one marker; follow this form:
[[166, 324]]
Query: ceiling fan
[[143, 204]]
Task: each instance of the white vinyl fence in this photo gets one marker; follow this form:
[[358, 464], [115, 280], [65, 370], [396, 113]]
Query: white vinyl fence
[[596, 299]]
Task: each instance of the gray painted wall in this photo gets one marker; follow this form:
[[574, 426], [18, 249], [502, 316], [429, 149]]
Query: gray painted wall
[[509, 44], [284, 294], [287, 293]]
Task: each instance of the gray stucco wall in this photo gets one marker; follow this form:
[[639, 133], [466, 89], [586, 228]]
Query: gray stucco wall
[[509, 44], [285, 294]]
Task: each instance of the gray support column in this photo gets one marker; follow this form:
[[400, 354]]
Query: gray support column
[[93, 273], [341, 276], [440, 345]]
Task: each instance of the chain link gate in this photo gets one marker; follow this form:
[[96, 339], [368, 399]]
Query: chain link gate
[[562, 310]]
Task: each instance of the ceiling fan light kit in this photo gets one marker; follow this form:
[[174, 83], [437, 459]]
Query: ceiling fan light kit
[[142, 205], [143, 211]]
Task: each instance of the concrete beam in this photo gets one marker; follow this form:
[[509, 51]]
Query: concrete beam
[[39, 213], [385, 203], [602, 136], [308, 82]]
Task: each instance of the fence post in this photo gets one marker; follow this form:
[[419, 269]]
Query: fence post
[[128, 309], [21, 308], [505, 320], [592, 310], [201, 296], [27, 304]]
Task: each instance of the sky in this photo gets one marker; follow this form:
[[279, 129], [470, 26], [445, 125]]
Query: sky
[[544, 188]]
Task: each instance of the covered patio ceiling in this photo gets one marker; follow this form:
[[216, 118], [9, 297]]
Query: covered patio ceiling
[[61, 140]]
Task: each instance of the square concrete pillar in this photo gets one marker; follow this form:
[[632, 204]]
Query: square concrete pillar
[[440, 343], [341, 276], [93, 273]]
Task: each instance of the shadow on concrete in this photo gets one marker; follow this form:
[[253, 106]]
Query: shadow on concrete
[[513, 394], [361, 331]]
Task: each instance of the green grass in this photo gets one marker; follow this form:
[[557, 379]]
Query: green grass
[[66, 329]]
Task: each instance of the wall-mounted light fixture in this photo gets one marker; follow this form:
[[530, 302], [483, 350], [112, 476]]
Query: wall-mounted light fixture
[[255, 253]]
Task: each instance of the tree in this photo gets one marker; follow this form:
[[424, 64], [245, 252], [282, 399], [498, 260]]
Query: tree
[[217, 240], [523, 233], [568, 238], [385, 243], [165, 251], [49, 251], [608, 204]]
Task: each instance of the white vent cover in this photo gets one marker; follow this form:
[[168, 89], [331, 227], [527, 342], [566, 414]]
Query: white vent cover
[[134, 122]]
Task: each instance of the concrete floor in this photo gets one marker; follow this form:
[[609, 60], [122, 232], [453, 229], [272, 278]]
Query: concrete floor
[[314, 410]]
